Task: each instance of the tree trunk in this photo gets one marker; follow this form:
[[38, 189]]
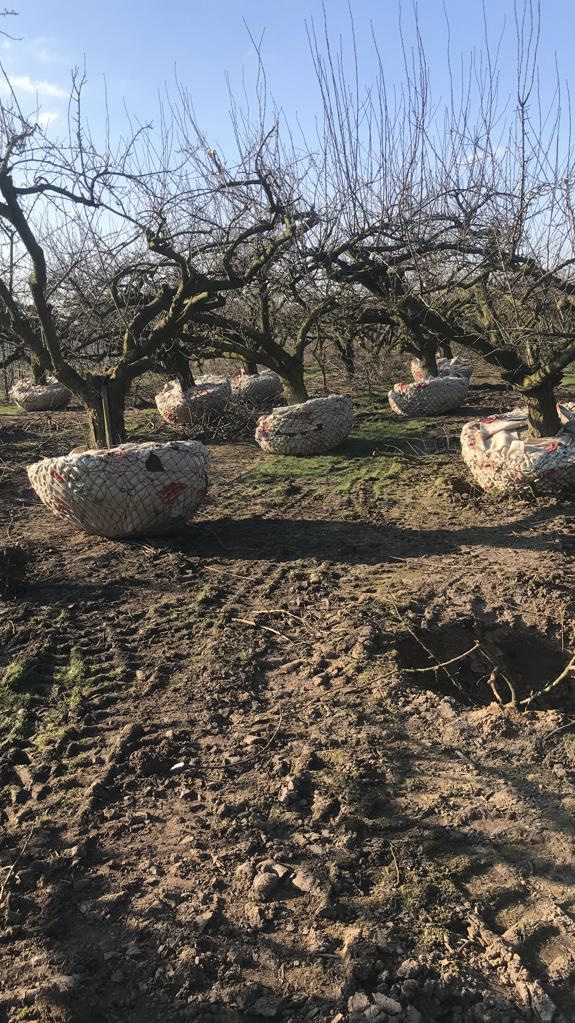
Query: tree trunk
[[178, 363], [38, 374], [445, 350], [428, 359], [293, 382], [251, 368], [105, 415], [348, 359], [542, 410]]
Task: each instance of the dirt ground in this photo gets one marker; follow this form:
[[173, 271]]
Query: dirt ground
[[236, 785]]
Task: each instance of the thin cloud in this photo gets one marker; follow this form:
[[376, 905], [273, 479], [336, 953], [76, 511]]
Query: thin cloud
[[47, 117], [42, 50], [36, 87]]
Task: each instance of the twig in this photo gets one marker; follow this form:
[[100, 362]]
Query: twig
[[290, 614], [15, 863], [444, 664], [547, 689], [432, 667], [256, 756], [555, 731], [395, 863], [491, 680], [257, 625], [431, 654]]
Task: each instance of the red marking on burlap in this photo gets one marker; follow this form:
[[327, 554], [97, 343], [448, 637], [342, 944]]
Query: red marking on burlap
[[170, 492]]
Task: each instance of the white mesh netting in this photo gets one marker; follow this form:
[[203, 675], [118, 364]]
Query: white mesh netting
[[40, 397], [311, 428], [428, 397], [499, 459], [257, 389], [456, 367], [208, 397], [129, 490]]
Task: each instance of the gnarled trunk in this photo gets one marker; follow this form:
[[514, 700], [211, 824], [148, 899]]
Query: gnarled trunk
[[347, 353], [292, 377], [445, 350], [177, 362], [38, 374], [250, 367], [542, 410], [105, 414], [428, 359]]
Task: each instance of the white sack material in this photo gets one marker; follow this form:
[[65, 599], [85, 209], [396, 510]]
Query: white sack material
[[428, 397], [209, 396], [307, 429], [129, 490], [257, 389], [40, 397], [499, 459], [456, 367]]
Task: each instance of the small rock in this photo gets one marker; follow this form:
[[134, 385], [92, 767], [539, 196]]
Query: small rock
[[357, 1004], [387, 1004], [267, 1006], [306, 881], [263, 885]]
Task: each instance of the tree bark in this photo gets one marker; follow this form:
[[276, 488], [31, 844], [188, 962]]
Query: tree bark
[[542, 410], [250, 367], [38, 374], [293, 381], [445, 350], [105, 415], [428, 359], [348, 358], [177, 362]]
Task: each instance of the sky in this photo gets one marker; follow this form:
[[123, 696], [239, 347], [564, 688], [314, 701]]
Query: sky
[[132, 49]]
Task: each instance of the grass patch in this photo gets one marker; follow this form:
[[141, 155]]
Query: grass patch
[[20, 688], [375, 454], [27, 689], [71, 679]]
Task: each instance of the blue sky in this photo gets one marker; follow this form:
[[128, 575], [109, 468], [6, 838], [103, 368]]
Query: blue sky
[[137, 46]]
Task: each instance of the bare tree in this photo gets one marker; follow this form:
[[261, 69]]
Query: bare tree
[[456, 229], [119, 250]]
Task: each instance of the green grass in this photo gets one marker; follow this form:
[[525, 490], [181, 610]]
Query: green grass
[[377, 451], [20, 688], [71, 679], [8, 410], [24, 689]]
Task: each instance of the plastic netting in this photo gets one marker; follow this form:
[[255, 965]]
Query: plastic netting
[[311, 428], [46, 397], [428, 397], [502, 457], [257, 389], [456, 367], [208, 397], [129, 490]]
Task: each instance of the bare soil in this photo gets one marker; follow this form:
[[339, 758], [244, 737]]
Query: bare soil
[[236, 785]]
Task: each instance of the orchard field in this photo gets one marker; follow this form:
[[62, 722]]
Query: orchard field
[[240, 781]]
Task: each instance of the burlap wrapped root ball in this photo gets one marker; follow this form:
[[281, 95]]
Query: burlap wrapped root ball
[[129, 490], [257, 389], [208, 397], [502, 457], [307, 429], [46, 397], [455, 367], [428, 397]]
